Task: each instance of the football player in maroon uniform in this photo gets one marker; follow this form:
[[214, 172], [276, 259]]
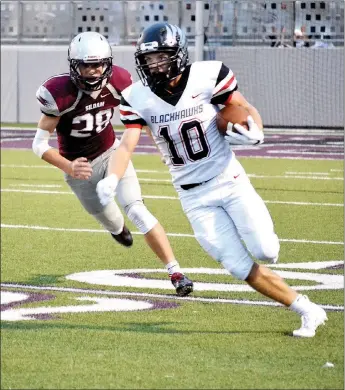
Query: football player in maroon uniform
[[79, 106]]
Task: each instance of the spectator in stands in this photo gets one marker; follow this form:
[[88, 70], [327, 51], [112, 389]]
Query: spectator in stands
[[300, 39], [210, 53], [273, 37], [323, 43], [278, 39]]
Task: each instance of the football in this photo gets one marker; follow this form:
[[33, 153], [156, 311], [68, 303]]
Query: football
[[233, 114]]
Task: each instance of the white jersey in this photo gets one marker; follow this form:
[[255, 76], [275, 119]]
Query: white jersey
[[185, 131]]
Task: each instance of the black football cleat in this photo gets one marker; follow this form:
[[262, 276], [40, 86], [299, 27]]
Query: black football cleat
[[182, 284], [124, 238]]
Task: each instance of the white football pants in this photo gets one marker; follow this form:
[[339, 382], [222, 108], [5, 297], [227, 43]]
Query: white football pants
[[231, 221]]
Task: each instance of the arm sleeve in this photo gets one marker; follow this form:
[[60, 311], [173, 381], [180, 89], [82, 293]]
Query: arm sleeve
[[226, 84], [129, 116]]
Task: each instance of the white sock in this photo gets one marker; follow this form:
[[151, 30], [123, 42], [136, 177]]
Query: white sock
[[301, 304], [172, 267]]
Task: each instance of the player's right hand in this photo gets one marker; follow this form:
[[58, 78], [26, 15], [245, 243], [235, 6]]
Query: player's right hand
[[239, 135], [106, 189], [80, 168], [254, 135]]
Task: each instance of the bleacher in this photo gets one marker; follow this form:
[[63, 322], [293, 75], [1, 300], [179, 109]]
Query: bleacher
[[226, 22]]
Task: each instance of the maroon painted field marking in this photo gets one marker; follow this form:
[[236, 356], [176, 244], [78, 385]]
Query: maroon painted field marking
[[328, 146]]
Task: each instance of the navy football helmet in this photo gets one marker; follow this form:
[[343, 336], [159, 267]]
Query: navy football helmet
[[161, 38]]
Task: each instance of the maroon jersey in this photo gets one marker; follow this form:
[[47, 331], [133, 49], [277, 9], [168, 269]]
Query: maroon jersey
[[84, 129]]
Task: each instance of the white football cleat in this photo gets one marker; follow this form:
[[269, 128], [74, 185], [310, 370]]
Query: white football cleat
[[311, 320]]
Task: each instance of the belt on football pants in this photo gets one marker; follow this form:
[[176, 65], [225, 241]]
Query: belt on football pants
[[190, 186]]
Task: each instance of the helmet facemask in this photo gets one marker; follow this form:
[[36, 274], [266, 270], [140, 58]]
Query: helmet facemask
[[152, 77], [161, 38], [90, 83], [93, 49]]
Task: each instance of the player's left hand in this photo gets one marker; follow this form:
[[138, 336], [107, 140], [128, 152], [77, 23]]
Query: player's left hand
[[106, 189]]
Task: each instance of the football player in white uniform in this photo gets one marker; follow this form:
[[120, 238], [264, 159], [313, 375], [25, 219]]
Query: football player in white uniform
[[80, 105], [179, 103]]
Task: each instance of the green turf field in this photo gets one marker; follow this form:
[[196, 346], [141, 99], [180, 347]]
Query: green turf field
[[82, 337]]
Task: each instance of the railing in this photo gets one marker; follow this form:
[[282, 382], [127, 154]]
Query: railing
[[227, 22]]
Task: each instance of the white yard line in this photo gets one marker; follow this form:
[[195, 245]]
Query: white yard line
[[27, 166], [327, 146], [307, 173], [37, 191], [52, 167], [34, 227], [299, 158], [255, 176], [304, 203], [161, 197], [295, 177], [148, 295], [37, 185], [252, 175], [294, 151], [172, 197]]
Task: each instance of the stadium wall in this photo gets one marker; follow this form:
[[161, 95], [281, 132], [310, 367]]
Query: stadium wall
[[290, 87]]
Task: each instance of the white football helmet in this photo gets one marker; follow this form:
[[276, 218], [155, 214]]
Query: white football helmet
[[89, 47]]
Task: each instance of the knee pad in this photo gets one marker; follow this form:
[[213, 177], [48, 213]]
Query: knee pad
[[140, 216], [111, 218], [267, 249]]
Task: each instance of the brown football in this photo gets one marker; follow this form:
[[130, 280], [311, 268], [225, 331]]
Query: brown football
[[233, 114]]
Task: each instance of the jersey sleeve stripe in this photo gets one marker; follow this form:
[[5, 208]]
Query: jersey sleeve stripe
[[223, 98], [122, 112], [133, 126], [134, 123], [127, 108], [228, 85], [129, 116], [225, 74]]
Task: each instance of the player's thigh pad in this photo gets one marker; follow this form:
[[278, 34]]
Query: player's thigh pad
[[110, 216], [85, 190], [128, 194], [128, 190], [253, 221], [216, 233]]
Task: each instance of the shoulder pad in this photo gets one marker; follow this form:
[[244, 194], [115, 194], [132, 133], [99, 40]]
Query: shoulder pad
[[57, 95], [133, 90], [209, 68], [120, 78]]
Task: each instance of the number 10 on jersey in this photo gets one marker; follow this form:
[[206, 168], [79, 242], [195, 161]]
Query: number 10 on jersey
[[195, 145]]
